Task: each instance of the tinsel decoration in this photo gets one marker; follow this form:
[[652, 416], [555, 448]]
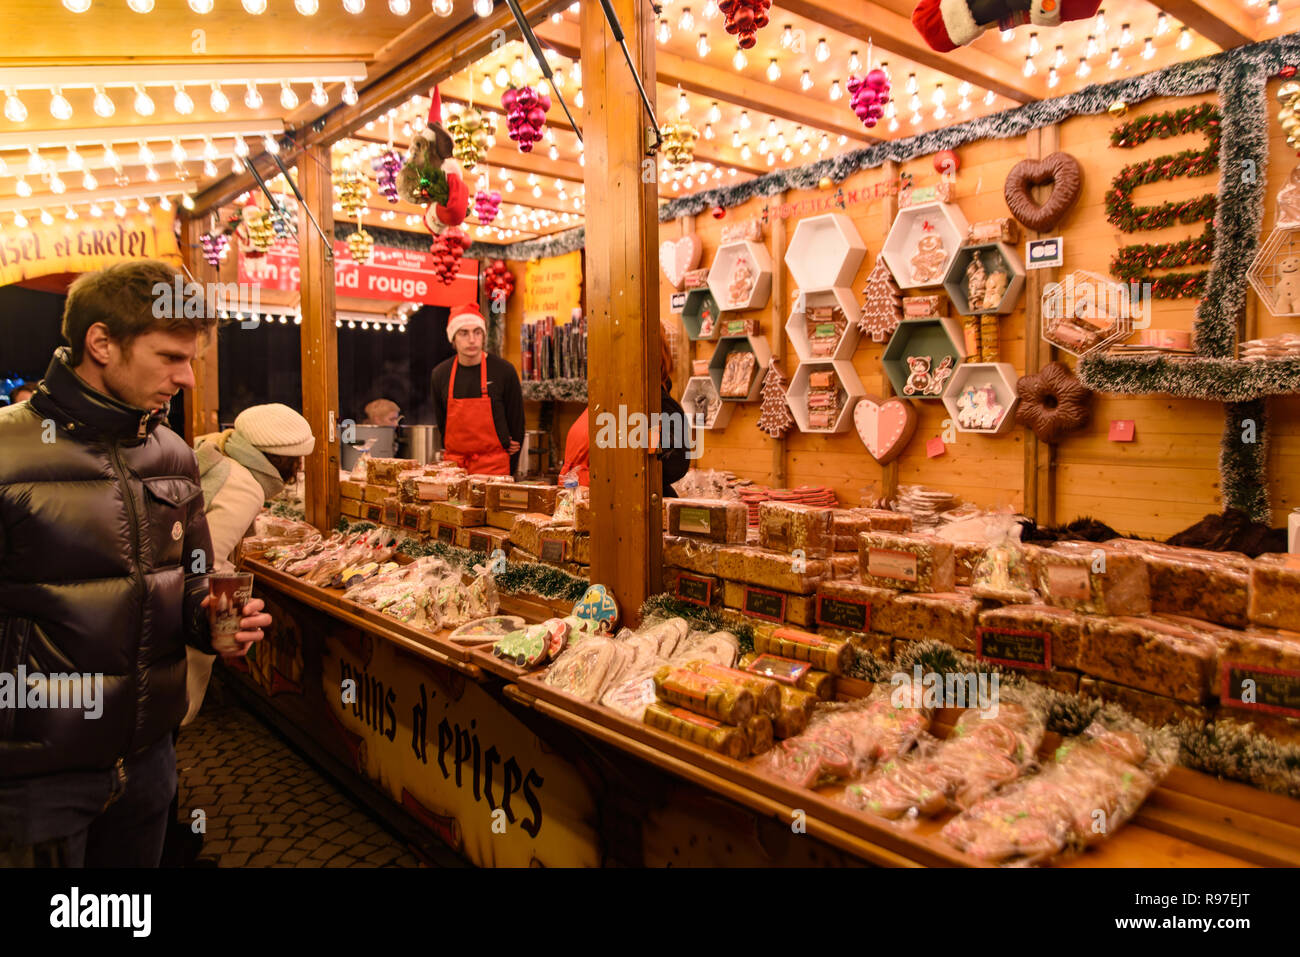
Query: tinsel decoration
[[774, 416], [361, 245], [386, 169], [499, 282], [664, 606], [469, 136], [882, 307], [448, 247], [1133, 263], [561, 390], [868, 96], [525, 115], [352, 193], [261, 233], [679, 143], [744, 18], [486, 206], [214, 247], [1243, 458], [533, 578], [1222, 380]]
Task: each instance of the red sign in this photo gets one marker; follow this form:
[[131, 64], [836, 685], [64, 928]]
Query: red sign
[[399, 275]]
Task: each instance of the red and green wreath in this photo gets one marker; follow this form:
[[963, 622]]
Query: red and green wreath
[[1134, 262]]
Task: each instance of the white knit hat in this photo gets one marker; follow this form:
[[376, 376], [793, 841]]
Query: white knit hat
[[276, 429], [464, 317]]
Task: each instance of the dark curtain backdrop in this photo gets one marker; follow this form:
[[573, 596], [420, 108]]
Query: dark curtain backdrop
[[263, 365]]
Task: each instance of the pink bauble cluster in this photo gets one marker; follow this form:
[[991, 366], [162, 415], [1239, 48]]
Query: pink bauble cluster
[[448, 247], [499, 281], [525, 115], [388, 166], [486, 206], [214, 247], [869, 96]]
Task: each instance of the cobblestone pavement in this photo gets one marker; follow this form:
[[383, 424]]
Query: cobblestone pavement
[[266, 806]]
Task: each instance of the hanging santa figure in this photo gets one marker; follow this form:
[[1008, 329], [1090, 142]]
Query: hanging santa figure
[[432, 177], [949, 24]]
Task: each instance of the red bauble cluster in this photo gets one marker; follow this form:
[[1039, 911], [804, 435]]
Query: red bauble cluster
[[745, 18], [525, 115], [448, 247], [869, 96], [499, 281]]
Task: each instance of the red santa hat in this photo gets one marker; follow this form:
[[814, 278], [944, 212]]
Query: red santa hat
[[948, 24], [465, 317], [435, 108]]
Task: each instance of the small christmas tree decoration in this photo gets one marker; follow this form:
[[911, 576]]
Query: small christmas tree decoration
[[774, 416], [882, 310]]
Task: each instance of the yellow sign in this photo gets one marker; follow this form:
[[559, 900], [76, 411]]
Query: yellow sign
[[458, 761], [553, 287], [84, 245]]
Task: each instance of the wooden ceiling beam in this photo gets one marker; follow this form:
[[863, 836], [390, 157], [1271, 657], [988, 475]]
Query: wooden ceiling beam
[[1220, 21], [866, 21], [437, 57], [505, 158], [727, 87]]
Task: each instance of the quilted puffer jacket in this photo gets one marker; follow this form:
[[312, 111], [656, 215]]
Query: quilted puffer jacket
[[101, 528]]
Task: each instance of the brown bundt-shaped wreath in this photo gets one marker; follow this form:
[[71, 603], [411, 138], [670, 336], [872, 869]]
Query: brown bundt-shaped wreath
[[1053, 402]]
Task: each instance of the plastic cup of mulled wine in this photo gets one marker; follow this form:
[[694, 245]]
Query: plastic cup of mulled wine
[[227, 594]]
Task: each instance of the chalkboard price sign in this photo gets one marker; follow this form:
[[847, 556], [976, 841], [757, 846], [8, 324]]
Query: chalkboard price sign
[[843, 613], [765, 604], [1018, 649]]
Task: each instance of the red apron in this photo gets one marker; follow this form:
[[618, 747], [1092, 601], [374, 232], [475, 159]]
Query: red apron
[[471, 440]]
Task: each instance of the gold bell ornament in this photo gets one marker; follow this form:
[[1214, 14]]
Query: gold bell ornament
[[353, 193], [361, 244], [1288, 93], [469, 133], [1118, 108], [261, 232], [679, 143]]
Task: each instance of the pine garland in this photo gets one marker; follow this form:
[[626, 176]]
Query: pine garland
[[564, 390], [666, 605], [1243, 459], [283, 510], [1133, 262], [1222, 380]]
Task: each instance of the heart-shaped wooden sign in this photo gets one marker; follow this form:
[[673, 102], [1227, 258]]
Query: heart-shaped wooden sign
[[884, 427], [677, 257], [1061, 171]]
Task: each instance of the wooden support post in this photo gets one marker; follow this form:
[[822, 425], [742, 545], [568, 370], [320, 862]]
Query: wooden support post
[[201, 401], [779, 298], [1040, 467], [320, 366], [623, 301], [889, 209]]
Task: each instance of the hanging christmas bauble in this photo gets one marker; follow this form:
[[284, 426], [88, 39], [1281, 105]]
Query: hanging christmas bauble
[[214, 247], [744, 18], [525, 115], [352, 193], [261, 232], [825, 183], [1291, 126], [486, 206], [1287, 72], [361, 244], [499, 282], [719, 212], [868, 96], [1287, 92], [447, 248], [679, 143], [1118, 108], [386, 169], [947, 162], [469, 136]]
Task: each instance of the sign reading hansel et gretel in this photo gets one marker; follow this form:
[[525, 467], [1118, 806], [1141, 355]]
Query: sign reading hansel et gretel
[[85, 245], [458, 761]]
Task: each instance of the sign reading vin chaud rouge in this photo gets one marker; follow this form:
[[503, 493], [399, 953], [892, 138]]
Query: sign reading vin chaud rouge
[[458, 761]]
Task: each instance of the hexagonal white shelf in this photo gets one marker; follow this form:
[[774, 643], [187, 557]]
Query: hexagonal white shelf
[[824, 252], [700, 315], [981, 397], [993, 257], [1270, 267], [722, 276], [935, 340], [796, 327], [699, 389], [718, 364], [941, 227], [1086, 312], [846, 381]]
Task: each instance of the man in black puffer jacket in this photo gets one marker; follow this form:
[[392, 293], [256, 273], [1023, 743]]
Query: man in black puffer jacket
[[103, 557]]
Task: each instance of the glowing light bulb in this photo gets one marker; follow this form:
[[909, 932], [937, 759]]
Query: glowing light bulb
[[70, 213], [1100, 22], [1125, 35], [255, 7], [577, 101], [855, 62], [665, 31], [1162, 23], [355, 7], [743, 122], [1148, 49], [1274, 14], [686, 21], [110, 157], [746, 152], [708, 131], [118, 209], [735, 139], [252, 97], [912, 85], [989, 98], [163, 204], [938, 96], [683, 104], [145, 154], [1030, 69], [1058, 58], [73, 159], [56, 185], [60, 108], [209, 168], [103, 104], [443, 8], [702, 45], [306, 8], [835, 91], [484, 7], [964, 105], [201, 7], [915, 119], [940, 112], [349, 93], [241, 148], [1083, 69], [773, 70], [218, 100], [1008, 35], [823, 51], [151, 174], [1114, 60], [95, 210], [271, 145], [715, 114], [178, 152], [1184, 38], [517, 68], [771, 128], [1053, 77], [15, 111], [23, 188], [787, 36], [77, 6], [399, 7], [288, 98], [740, 61], [805, 80], [140, 6]]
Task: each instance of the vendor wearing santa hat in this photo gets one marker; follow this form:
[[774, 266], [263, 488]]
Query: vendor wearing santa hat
[[477, 401]]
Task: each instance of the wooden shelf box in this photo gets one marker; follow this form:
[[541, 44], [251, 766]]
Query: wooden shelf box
[[796, 327], [824, 252], [720, 275], [942, 220], [846, 380], [993, 257], [702, 387], [968, 381], [938, 337]]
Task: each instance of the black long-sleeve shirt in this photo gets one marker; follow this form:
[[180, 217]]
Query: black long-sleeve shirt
[[503, 388]]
